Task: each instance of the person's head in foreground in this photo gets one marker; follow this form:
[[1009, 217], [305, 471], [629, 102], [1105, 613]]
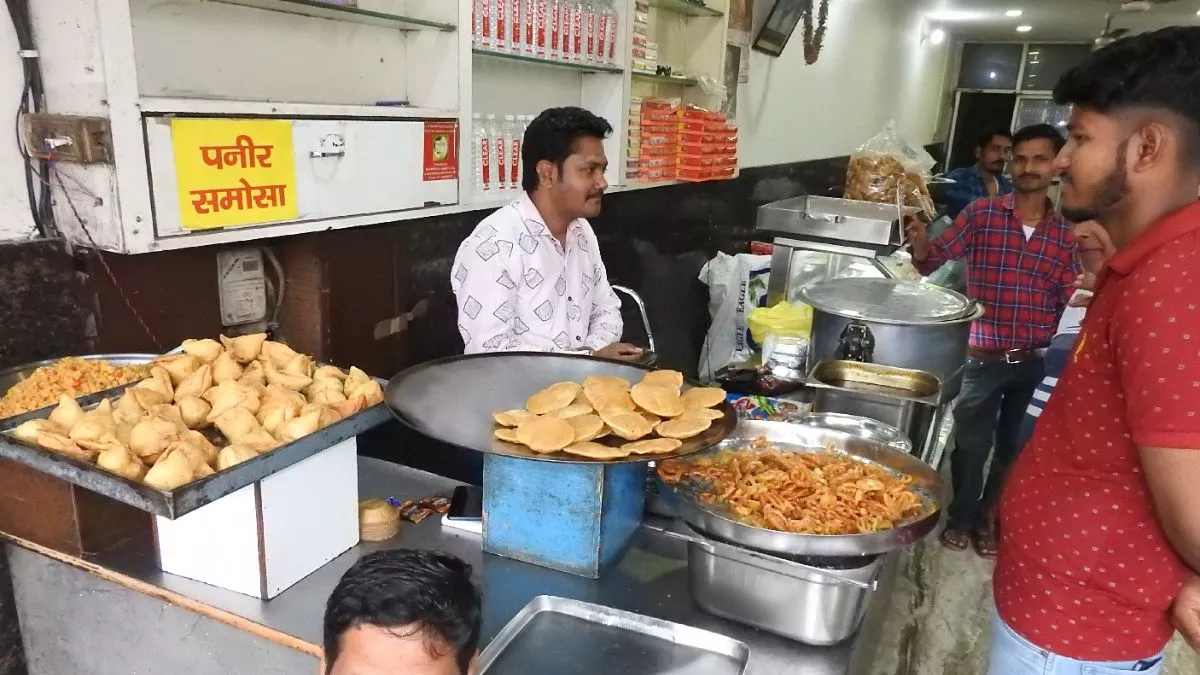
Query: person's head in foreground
[[403, 613], [564, 159], [1133, 148], [1034, 150]]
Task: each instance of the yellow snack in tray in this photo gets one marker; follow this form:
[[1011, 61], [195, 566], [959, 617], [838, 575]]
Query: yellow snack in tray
[[70, 377]]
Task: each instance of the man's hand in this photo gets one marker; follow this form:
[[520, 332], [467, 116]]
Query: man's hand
[[1185, 613], [621, 351], [918, 235]]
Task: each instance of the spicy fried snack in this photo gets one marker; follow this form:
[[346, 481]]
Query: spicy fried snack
[[800, 492]]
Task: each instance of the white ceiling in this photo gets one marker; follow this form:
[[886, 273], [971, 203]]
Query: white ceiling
[[1052, 19]]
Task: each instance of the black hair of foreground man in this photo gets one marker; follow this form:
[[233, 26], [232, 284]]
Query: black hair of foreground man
[[1136, 108], [551, 137], [403, 612]]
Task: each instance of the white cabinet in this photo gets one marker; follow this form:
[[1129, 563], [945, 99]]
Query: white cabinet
[[370, 80]]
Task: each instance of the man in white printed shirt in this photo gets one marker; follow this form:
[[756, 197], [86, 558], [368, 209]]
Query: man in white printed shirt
[[530, 277]]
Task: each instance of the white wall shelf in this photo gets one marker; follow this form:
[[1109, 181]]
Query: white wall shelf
[[320, 10], [664, 79], [144, 64], [686, 8], [550, 63], [155, 105]]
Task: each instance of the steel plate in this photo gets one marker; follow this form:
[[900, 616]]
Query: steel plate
[[714, 520], [452, 400]]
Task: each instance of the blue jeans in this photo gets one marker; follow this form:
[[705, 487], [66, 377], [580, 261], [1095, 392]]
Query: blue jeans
[[1014, 655]]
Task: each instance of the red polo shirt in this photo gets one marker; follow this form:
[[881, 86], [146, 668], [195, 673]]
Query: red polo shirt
[[1085, 570]]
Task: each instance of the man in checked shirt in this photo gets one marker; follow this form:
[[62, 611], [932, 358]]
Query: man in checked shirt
[[1020, 261]]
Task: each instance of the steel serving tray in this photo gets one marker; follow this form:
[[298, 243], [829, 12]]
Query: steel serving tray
[[452, 400], [569, 637], [714, 520], [9, 377], [182, 500]]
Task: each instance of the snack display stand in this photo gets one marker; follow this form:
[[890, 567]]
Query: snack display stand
[[252, 528], [566, 513]]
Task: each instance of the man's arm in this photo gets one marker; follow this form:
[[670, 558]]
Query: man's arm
[[484, 277], [1157, 363], [952, 244], [1173, 475]]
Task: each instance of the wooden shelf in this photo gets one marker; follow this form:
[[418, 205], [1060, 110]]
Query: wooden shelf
[[685, 8], [551, 63], [321, 10], [664, 79]]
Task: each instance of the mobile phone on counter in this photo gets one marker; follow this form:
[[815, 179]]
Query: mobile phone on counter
[[466, 503]]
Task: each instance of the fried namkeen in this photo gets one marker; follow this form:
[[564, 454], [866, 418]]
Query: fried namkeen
[[800, 492]]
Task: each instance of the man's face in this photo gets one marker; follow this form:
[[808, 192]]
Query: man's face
[[1033, 165], [1092, 165], [371, 650], [993, 155], [581, 184]]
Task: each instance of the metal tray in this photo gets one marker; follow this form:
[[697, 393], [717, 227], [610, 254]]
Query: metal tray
[[714, 519], [9, 377], [182, 500], [569, 637], [452, 400], [864, 427], [877, 381]]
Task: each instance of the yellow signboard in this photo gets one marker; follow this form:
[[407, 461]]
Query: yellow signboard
[[234, 172]]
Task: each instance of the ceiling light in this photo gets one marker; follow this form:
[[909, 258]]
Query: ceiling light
[[1025, 28], [1013, 13], [956, 15], [992, 75], [938, 36]]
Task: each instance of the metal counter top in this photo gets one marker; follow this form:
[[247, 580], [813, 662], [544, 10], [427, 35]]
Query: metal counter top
[[650, 579]]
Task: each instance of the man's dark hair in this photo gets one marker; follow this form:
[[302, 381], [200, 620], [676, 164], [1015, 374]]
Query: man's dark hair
[[985, 139], [429, 592], [1035, 132], [1157, 70], [552, 135]]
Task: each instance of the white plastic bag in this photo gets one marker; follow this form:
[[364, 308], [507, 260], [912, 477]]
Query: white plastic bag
[[737, 284]]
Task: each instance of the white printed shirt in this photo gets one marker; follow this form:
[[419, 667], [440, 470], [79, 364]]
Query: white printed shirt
[[518, 290]]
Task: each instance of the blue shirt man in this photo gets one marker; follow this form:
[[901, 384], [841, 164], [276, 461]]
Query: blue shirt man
[[983, 179]]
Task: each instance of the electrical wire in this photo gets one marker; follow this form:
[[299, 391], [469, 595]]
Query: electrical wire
[[32, 101], [112, 277]]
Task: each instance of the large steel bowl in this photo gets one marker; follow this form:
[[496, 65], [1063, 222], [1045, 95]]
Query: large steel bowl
[[452, 400], [715, 520]]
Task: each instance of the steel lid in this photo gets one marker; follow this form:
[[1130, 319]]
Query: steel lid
[[886, 300]]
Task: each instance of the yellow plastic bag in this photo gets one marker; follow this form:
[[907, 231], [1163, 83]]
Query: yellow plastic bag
[[782, 320]]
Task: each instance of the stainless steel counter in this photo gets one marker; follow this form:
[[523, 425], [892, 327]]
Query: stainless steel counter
[[650, 579]]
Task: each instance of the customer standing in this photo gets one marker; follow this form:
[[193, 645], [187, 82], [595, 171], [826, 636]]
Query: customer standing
[[1094, 248], [1100, 545], [984, 178], [1021, 265]]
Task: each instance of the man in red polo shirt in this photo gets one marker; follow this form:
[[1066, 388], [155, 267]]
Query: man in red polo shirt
[[1100, 517]]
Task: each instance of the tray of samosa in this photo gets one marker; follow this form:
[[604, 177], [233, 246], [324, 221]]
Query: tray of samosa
[[560, 407], [207, 421]]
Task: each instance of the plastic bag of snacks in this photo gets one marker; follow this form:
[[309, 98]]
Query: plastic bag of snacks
[[890, 170]]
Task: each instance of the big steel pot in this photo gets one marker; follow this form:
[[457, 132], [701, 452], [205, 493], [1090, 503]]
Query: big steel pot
[[892, 322]]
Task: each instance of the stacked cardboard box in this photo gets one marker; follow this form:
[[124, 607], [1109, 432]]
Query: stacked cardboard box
[[657, 139], [707, 144]]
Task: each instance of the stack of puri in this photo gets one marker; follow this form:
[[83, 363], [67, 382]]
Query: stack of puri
[[258, 394], [651, 417]]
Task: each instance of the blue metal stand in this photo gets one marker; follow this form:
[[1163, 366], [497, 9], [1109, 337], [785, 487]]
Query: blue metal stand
[[574, 518]]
